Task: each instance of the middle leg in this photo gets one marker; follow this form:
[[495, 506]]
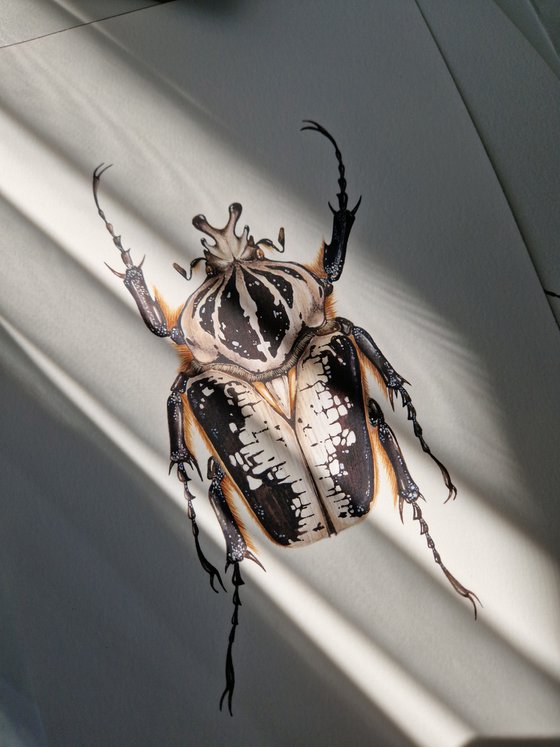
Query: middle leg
[[408, 491], [395, 386]]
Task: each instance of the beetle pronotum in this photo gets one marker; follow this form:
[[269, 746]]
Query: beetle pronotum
[[275, 384]]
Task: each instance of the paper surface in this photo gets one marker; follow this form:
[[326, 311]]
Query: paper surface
[[25, 20], [198, 107]]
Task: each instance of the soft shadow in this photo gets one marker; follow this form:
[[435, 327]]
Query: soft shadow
[[513, 742], [210, 7]]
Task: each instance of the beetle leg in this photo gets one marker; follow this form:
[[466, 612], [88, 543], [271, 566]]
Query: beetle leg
[[237, 550], [236, 545], [395, 385], [457, 585], [408, 491], [149, 308], [343, 219], [180, 455], [178, 451], [237, 581]]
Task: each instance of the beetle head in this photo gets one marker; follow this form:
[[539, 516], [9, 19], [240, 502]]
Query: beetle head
[[228, 246]]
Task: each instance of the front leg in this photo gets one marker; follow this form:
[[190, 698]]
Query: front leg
[[334, 252], [395, 386], [150, 310]]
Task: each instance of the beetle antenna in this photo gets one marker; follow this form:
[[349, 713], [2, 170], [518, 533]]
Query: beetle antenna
[[457, 585], [230, 672], [183, 272]]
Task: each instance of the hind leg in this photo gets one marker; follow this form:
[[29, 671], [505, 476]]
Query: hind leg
[[409, 492], [236, 552], [236, 544]]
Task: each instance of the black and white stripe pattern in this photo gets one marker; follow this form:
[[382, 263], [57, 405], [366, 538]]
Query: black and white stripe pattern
[[252, 313]]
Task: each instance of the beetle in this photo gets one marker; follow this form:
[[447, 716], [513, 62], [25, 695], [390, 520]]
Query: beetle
[[275, 383]]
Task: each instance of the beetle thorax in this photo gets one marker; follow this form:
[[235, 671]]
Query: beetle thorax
[[250, 311]]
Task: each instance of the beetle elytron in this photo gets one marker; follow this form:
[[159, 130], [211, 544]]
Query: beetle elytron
[[276, 385]]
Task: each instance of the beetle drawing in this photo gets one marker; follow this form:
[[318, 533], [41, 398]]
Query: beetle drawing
[[276, 385]]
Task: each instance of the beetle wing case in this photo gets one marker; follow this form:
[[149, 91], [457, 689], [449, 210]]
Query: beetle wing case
[[305, 476]]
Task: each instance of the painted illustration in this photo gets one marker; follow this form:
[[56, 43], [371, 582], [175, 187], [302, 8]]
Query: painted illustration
[[276, 385]]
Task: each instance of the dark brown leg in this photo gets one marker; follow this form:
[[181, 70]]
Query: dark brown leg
[[410, 493], [133, 278], [236, 552], [181, 457], [343, 219], [395, 385]]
